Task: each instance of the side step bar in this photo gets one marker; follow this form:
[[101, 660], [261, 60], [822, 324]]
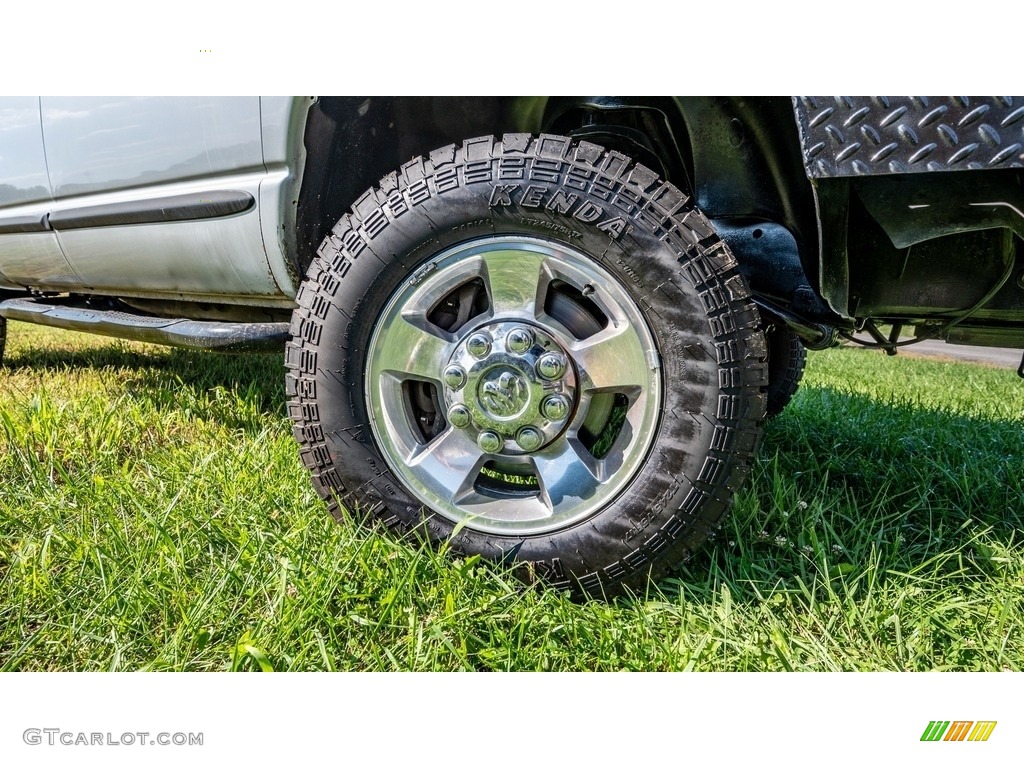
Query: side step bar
[[190, 334]]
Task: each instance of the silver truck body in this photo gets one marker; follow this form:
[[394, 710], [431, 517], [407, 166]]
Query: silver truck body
[[76, 171]]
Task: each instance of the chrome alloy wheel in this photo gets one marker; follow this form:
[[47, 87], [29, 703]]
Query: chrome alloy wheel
[[513, 385]]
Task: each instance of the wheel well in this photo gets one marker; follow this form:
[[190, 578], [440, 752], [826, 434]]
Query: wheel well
[[352, 142], [740, 157], [747, 162]]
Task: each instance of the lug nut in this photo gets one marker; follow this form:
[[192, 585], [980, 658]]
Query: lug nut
[[529, 438], [551, 366], [519, 340], [454, 377], [458, 416], [555, 407], [489, 442], [478, 345]]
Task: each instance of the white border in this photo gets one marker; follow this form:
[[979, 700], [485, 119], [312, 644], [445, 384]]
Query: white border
[[199, 47], [515, 719]]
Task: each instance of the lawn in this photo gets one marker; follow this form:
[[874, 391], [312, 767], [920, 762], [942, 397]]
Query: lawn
[[154, 515]]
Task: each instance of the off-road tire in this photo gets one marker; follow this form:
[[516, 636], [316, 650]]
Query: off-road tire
[[563, 196], [787, 357]]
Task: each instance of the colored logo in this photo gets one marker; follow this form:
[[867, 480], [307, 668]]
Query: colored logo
[[958, 730]]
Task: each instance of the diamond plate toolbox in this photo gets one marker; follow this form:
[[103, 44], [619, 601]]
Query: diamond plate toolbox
[[872, 135]]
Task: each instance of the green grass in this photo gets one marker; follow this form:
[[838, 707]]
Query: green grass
[[154, 515]]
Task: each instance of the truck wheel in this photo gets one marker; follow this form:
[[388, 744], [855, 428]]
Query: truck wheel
[[534, 350], [786, 359]]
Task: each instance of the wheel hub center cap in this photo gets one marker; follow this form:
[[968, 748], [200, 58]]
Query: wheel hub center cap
[[510, 386], [503, 393]]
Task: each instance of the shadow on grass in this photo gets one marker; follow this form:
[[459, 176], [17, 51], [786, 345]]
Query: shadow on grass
[[168, 375], [845, 483]]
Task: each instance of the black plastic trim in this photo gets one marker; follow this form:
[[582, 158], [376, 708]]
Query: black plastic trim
[[16, 224], [198, 205]]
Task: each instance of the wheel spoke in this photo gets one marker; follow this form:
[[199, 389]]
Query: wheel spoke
[[511, 512], [613, 360], [408, 351], [513, 280], [566, 472], [448, 465]]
